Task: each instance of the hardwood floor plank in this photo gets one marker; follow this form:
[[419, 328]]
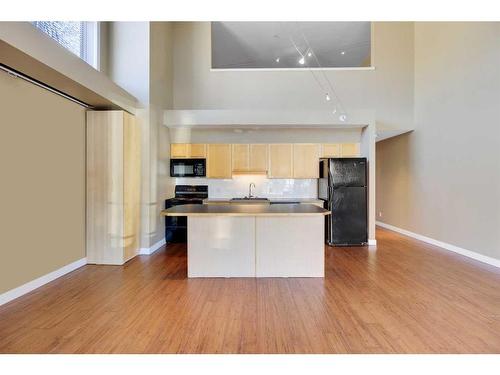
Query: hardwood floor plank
[[404, 297]]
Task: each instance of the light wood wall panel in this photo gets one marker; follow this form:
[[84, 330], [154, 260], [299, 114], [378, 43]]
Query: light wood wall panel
[[113, 187], [131, 188]]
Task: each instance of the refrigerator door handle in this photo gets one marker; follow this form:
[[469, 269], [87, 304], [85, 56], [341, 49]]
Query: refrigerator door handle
[[330, 178], [329, 224]]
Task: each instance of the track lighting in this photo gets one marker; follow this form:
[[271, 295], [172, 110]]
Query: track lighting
[[302, 60], [277, 59], [334, 111], [327, 97], [342, 53], [309, 54], [343, 118]]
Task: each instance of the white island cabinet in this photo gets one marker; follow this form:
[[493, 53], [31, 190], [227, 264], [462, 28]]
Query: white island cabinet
[[285, 240]]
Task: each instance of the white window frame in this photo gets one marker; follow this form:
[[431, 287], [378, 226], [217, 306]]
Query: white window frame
[[91, 42]]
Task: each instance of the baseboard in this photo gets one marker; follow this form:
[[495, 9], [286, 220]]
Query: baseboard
[[152, 249], [372, 242], [42, 280], [468, 253]]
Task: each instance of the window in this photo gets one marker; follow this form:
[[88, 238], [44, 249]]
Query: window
[[286, 45], [81, 38]]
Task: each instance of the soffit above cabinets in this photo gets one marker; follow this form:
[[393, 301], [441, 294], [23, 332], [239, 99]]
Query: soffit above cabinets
[[227, 119]]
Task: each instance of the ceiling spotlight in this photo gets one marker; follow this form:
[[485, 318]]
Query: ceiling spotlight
[[309, 54], [343, 118], [277, 59], [327, 97], [342, 53], [334, 111], [302, 60]]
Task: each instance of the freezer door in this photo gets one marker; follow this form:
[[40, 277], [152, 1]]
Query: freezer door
[[349, 217], [348, 172]]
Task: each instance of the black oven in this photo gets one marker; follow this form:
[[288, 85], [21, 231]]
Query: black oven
[[187, 167]]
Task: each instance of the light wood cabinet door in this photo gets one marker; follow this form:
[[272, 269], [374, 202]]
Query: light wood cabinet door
[[349, 150], [178, 150], [280, 161], [330, 150], [259, 158], [197, 150], [305, 161], [241, 157], [188, 150], [219, 164]]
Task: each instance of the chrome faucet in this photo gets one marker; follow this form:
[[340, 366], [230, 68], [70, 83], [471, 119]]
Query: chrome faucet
[[250, 195]]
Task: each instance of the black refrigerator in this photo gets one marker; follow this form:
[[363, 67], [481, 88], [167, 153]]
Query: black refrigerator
[[342, 185]]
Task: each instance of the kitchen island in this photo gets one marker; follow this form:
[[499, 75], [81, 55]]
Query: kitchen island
[[253, 240]]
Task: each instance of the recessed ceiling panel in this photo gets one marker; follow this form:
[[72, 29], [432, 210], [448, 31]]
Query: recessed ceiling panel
[[267, 45]]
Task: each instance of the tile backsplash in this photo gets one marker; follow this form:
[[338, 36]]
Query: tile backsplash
[[264, 187]]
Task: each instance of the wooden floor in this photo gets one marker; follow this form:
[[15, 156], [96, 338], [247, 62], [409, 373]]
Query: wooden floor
[[405, 297]]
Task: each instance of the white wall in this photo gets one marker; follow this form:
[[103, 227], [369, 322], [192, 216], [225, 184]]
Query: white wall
[[128, 57], [443, 180], [140, 60], [388, 89]]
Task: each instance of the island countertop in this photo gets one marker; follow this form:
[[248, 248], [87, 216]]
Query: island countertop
[[245, 210]]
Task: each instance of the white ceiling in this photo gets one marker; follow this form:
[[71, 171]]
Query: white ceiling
[[259, 44]]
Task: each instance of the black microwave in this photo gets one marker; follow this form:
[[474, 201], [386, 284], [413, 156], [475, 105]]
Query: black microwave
[[187, 167]]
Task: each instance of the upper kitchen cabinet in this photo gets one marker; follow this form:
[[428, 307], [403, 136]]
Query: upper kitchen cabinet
[[241, 157], [306, 160], [340, 150], [259, 158], [250, 158], [280, 161], [197, 150], [349, 150], [219, 161], [330, 150], [188, 150]]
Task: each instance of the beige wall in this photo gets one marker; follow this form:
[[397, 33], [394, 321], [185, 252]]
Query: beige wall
[[443, 180], [42, 200]]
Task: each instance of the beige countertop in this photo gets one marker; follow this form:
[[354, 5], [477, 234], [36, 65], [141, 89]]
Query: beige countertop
[[245, 210]]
